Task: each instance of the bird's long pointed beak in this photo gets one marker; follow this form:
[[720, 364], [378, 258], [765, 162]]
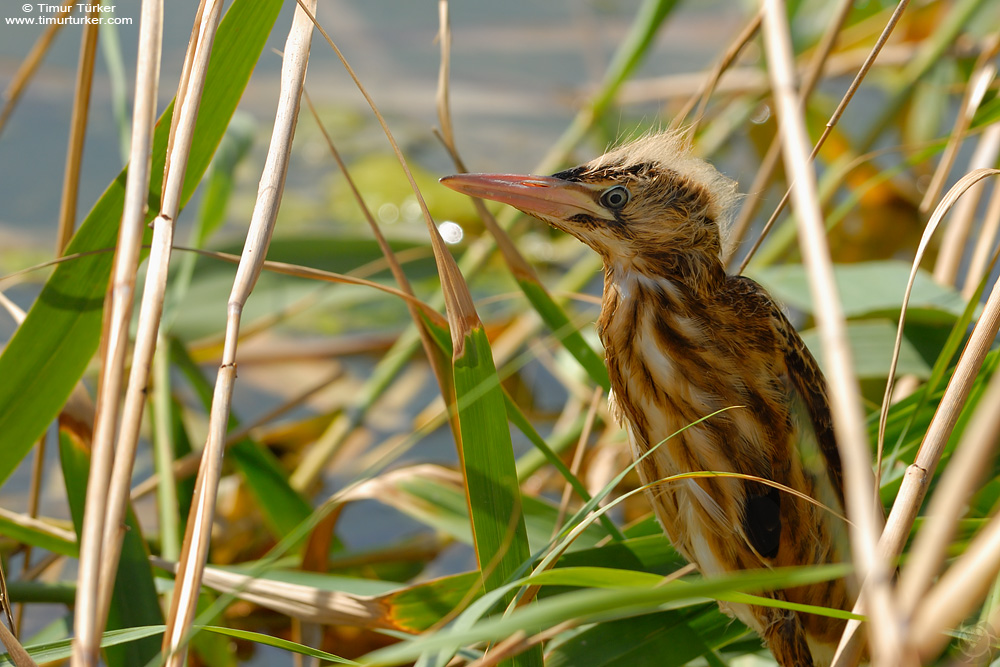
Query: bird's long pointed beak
[[552, 199]]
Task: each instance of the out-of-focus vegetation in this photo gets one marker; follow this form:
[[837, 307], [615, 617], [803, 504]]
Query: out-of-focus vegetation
[[402, 487]]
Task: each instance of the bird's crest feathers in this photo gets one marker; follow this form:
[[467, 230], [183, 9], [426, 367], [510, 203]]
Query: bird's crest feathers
[[672, 150]]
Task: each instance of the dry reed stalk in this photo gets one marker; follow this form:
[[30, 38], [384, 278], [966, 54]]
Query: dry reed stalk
[[942, 209], [845, 403], [914, 485], [974, 92], [987, 238], [972, 458], [38, 525], [196, 540], [830, 124], [957, 593], [956, 236], [91, 608], [306, 603], [911, 493], [122, 294], [918, 474], [16, 652], [30, 64], [77, 134], [950, 199]]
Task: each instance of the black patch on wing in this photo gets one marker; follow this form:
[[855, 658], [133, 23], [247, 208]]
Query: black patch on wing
[[762, 522]]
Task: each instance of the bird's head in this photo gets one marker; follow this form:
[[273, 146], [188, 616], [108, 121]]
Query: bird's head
[[649, 205]]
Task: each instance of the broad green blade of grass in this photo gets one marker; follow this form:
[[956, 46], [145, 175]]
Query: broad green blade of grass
[[487, 457], [601, 604], [61, 650], [605, 577], [868, 288], [283, 508], [666, 639], [277, 642], [53, 346], [134, 601], [871, 344], [417, 608], [595, 577], [650, 553]]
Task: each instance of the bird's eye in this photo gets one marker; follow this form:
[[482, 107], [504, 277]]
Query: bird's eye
[[615, 197]]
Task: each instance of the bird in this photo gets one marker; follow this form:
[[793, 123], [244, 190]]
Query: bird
[[684, 340]]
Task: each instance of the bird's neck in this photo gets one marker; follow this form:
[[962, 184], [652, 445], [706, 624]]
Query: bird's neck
[[699, 275], [674, 285]]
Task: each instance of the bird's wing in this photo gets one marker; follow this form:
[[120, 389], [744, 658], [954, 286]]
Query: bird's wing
[[804, 381], [810, 397]]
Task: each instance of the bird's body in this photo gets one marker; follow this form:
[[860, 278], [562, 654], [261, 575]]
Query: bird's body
[[684, 341]]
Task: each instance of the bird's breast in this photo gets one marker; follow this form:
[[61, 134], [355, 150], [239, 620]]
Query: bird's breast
[[672, 366]]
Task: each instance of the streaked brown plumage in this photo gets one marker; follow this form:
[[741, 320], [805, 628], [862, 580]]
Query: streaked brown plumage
[[683, 340]]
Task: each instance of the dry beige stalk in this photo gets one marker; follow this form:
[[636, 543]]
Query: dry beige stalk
[[917, 476], [981, 262], [972, 458], [959, 591], [978, 85], [942, 209], [299, 601], [30, 64], [89, 621], [16, 652], [77, 134], [845, 400], [196, 540], [123, 289], [956, 236]]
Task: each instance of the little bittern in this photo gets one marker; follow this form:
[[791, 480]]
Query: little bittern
[[683, 340]]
